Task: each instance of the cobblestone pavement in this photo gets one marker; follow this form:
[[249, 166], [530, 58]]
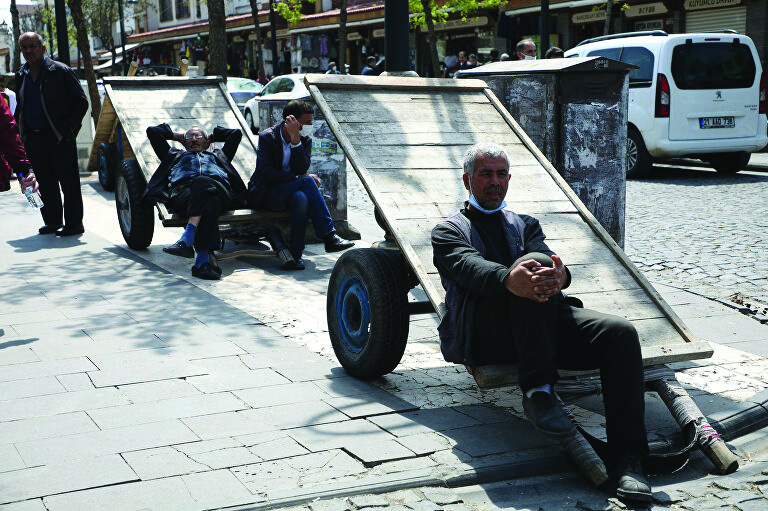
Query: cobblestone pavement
[[694, 228]]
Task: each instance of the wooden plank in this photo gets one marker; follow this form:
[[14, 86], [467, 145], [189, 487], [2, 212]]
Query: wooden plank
[[382, 116], [491, 127], [181, 82], [354, 82], [341, 99], [430, 138], [631, 304], [599, 277], [105, 126]]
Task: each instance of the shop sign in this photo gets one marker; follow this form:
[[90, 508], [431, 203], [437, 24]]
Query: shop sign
[[649, 25], [480, 21], [588, 17], [282, 33], [696, 5], [653, 9], [379, 32], [354, 36]]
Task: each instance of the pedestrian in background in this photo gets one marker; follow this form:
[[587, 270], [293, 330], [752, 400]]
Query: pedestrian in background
[[370, 67], [526, 49], [554, 53], [332, 69], [14, 159], [50, 111]]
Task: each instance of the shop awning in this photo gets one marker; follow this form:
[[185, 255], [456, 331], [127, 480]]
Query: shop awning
[[553, 7], [108, 64], [118, 51]]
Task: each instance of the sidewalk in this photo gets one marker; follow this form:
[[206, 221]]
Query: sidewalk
[[126, 384]]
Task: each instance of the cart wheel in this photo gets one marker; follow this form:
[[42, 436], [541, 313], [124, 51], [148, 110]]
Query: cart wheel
[[367, 309], [136, 220], [108, 161]]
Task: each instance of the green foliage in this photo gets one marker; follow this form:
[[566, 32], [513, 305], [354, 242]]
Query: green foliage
[[289, 9], [441, 12], [624, 6]]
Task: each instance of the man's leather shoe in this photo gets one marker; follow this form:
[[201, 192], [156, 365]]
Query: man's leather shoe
[[205, 272], [631, 483], [48, 229], [70, 231], [214, 262], [180, 249], [334, 243], [547, 416], [294, 264]]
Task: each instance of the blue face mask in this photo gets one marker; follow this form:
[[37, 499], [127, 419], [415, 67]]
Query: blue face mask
[[477, 206]]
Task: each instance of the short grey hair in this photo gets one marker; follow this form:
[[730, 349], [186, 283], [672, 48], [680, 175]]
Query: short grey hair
[[483, 149], [522, 44], [33, 35]]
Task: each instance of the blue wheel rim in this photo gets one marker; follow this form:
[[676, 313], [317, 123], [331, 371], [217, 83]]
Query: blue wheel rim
[[103, 166], [353, 313]]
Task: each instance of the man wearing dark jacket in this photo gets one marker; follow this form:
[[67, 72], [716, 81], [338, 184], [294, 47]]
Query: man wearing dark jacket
[[281, 181], [50, 110], [199, 184], [504, 305]]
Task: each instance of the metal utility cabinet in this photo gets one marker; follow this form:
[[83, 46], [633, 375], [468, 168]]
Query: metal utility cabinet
[[575, 111]]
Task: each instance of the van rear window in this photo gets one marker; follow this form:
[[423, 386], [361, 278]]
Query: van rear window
[[712, 65]]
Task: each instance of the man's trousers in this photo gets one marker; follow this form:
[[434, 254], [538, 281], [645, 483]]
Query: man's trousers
[[205, 197], [55, 166]]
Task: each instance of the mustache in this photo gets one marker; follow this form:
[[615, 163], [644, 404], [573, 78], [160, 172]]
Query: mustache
[[493, 188]]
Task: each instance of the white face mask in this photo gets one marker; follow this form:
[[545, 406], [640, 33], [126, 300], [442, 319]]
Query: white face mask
[[529, 57], [306, 130]]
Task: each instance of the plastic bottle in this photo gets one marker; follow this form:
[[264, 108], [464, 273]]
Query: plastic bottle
[[33, 197]]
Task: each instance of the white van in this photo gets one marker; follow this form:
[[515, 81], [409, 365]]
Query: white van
[[693, 95]]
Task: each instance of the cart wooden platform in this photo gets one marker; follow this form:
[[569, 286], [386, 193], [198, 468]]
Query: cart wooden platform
[[406, 137], [125, 161]]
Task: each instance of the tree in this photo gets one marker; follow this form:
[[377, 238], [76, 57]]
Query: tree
[[217, 30], [609, 13], [16, 35], [84, 45], [259, 64], [342, 60], [423, 10]]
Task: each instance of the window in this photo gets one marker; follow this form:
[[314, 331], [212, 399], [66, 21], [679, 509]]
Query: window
[[609, 53], [182, 9], [286, 85], [166, 12], [713, 65], [272, 86], [642, 58]]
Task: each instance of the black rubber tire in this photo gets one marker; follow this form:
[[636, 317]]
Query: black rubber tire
[[368, 291], [729, 163], [639, 162], [108, 160], [136, 220]]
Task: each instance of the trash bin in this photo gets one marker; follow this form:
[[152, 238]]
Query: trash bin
[[575, 111], [328, 162]]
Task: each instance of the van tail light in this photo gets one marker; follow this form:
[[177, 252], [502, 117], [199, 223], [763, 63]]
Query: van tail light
[[763, 98], [662, 96]]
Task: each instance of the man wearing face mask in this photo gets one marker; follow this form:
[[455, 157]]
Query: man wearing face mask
[[200, 183], [504, 305], [281, 181], [526, 50]]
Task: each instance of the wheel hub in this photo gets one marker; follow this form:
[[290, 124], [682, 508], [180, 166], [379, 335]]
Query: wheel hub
[[631, 153], [123, 203], [354, 313]]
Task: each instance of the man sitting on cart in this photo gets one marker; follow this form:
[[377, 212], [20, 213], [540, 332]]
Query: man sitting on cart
[[281, 181], [504, 305], [198, 183]]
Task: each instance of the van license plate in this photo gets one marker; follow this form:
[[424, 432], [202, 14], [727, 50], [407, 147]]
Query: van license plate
[[717, 122]]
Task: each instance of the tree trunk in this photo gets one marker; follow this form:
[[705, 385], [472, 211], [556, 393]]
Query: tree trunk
[[342, 60], [114, 57], [432, 37], [217, 39], [16, 35], [259, 64], [50, 31], [607, 28], [84, 46]]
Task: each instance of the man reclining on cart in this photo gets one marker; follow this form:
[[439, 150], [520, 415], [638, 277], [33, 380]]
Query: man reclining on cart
[[198, 183], [281, 181], [504, 305]]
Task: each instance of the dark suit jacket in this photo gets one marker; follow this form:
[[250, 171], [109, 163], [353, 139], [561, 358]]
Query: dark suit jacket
[[64, 101], [157, 188], [269, 164]]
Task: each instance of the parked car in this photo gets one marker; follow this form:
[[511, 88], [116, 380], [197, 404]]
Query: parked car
[[280, 87], [243, 89], [693, 95]]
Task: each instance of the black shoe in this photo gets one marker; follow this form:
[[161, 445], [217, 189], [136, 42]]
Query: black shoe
[[48, 229], [294, 264], [70, 231], [547, 416], [205, 272], [180, 249], [334, 243], [631, 483], [214, 262]]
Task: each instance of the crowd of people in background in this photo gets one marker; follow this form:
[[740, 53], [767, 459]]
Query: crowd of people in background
[[524, 50]]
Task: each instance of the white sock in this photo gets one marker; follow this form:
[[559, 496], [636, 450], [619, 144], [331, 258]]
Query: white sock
[[544, 388]]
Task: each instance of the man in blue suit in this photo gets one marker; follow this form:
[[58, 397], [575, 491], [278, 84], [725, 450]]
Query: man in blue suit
[[281, 181]]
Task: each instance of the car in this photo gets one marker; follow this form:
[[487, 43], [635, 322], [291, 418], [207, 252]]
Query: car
[[158, 69], [698, 95], [241, 90], [280, 87]]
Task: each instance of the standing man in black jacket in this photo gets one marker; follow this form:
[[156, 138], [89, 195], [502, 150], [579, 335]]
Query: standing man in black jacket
[[199, 184], [504, 305], [51, 106], [281, 181]]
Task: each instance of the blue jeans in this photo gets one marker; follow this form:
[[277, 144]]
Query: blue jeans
[[305, 201]]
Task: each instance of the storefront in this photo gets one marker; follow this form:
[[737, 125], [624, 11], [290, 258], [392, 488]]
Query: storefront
[[649, 16], [708, 15]]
